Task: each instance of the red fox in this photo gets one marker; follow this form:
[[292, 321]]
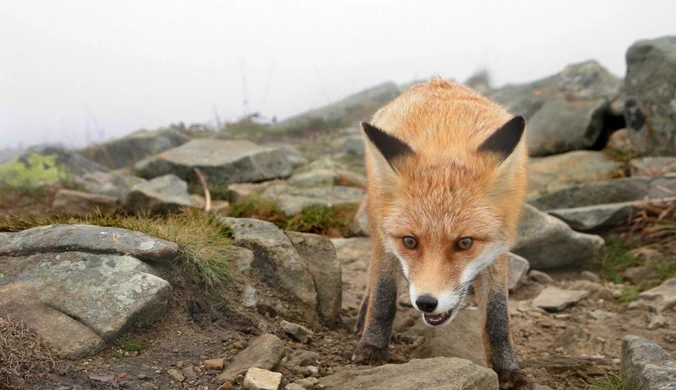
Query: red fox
[[447, 178]]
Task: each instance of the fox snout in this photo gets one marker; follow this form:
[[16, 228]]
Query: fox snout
[[426, 303]]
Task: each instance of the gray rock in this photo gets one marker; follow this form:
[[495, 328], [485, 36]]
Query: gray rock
[[159, 195], [317, 178], [596, 193], [87, 238], [319, 255], [302, 358], [566, 111], [124, 152], [71, 202], [111, 184], [590, 276], [663, 187], [600, 315], [518, 267], [547, 242], [540, 277], [265, 352], [360, 222], [275, 257], [298, 332], [553, 173], [49, 165], [657, 321], [105, 294], [240, 191], [636, 275], [421, 374], [594, 217], [250, 296], [650, 109], [555, 299], [295, 157], [222, 162], [652, 166], [293, 200], [259, 379], [645, 365], [658, 299], [175, 375]]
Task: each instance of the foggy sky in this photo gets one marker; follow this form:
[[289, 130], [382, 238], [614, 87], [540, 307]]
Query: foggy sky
[[81, 70]]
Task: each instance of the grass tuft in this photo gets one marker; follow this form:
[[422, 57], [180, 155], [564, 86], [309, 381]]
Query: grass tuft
[[617, 259], [129, 344], [610, 382]]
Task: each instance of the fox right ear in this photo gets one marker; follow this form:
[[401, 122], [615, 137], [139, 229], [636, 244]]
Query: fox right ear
[[390, 147]]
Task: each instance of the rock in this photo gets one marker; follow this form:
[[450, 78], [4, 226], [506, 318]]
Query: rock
[[88, 239], [189, 373], [302, 358], [600, 315], [549, 174], [663, 187], [567, 111], [318, 178], [71, 202], [293, 200], [657, 321], [275, 257], [222, 162], [217, 206], [457, 339], [646, 365], [111, 184], [555, 299], [124, 152], [319, 255], [360, 222], [572, 339], [307, 383], [636, 275], [250, 296], [619, 143], [518, 267], [295, 158], [652, 166], [298, 332], [258, 379], [241, 258], [650, 109], [41, 166], [265, 352], [547, 242], [540, 277], [343, 112], [294, 386], [597, 193], [421, 374], [590, 276], [596, 290], [162, 194], [595, 217], [658, 299], [214, 364], [175, 375], [106, 294], [240, 191], [647, 253], [354, 145]]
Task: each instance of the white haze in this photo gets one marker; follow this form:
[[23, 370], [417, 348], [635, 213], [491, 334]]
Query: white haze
[[116, 66]]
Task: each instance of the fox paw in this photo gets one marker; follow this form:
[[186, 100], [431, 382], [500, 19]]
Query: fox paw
[[514, 380], [368, 354]]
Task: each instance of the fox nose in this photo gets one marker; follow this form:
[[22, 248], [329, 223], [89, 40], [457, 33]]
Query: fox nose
[[426, 303]]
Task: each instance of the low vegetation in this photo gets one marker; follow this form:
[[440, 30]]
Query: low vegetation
[[23, 355], [610, 382]]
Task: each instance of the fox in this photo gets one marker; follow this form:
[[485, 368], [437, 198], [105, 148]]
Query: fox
[[447, 178]]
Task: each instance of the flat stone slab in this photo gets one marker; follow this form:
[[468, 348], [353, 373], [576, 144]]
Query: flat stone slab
[[293, 200], [556, 299], [658, 299], [264, 352], [89, 239], [78, 301], [420, 374], [647, 366], [160, 194], [594, 217]]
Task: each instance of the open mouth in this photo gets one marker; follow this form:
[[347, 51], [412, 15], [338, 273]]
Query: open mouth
[[437, 319]]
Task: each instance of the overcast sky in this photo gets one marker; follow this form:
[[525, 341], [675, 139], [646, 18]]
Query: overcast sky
[[117, 66]]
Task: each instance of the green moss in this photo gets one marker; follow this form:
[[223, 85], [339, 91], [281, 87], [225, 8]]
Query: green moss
[[34, 171], [629, 295], [129, 344]]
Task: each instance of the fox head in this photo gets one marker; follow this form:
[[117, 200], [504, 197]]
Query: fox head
[[445, 209]]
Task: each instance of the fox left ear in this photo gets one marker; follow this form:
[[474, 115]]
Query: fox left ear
[[504, 140]]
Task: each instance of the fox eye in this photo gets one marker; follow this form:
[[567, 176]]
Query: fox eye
[[409, 242], [464, 244]]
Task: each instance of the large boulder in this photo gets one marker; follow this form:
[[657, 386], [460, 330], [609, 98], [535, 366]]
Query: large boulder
[[124, 152], [567, 111], [547, 242], [646, 366], [421, 374], [161, 194], [80, 286], [650, 109], [222, 162], [552, 173], [46, 166]]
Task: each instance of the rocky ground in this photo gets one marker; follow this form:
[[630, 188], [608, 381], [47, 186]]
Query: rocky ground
[[211, 298]]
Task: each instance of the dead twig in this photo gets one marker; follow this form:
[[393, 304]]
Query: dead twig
[[207, 195]]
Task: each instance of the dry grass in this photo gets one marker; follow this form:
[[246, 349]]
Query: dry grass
[[23, 355], [654, 223]]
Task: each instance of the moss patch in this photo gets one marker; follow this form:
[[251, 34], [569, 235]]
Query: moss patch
[[33, 171]]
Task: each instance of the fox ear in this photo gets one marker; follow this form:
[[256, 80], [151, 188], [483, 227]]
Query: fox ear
[[390, 147], [504, 140]]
